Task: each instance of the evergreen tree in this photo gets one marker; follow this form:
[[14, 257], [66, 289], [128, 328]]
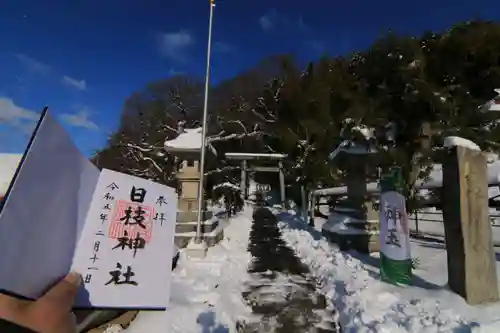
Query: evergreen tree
[[423, 87]]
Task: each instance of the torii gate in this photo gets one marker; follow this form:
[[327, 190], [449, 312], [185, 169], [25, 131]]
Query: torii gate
[[245, 157]]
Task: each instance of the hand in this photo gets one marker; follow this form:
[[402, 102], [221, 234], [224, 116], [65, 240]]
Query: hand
[[49, 314]]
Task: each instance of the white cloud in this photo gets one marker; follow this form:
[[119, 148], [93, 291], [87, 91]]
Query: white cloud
[[272, 19], [175, 44], [33, 65], [77, 84], [37, 67], [80, 118], [17, 117], [267, 20]]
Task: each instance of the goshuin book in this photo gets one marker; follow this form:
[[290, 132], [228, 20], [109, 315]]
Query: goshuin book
[[61, 214]]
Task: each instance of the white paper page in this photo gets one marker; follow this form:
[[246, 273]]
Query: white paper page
[[97, 253], [44, 212]]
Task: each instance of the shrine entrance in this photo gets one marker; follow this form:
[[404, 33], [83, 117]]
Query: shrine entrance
[[247, 169]]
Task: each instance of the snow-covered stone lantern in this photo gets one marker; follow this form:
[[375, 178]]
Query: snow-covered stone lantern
[[186, 147], [354, 156], [355, 159]]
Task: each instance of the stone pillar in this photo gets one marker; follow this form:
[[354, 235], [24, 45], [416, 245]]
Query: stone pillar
[[311, 206], [243, 184], [471, 258], [282, 183], [356, 183], [189, 179], [305, 202]]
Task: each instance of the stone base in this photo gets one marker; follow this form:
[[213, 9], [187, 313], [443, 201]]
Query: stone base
[[361, 242], [186, 216], [195, 250], [210, 238], [206, 226]]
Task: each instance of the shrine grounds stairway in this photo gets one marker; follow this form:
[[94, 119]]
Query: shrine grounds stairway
[[283, 292]]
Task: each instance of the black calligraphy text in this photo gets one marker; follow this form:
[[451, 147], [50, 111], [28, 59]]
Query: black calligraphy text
[[132, 243], [117, 274], [137, 194], [138, 217]]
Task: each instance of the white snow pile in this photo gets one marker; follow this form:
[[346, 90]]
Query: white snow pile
[[366, 304], [349, 147], [206, 294], [114, 329]]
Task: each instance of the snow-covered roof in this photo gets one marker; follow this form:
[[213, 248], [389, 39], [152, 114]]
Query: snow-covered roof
[[8, 166], [370, 187], [189, 140], [453, 141], [349, 147], [493, 104], [227, 185], [252, 156]]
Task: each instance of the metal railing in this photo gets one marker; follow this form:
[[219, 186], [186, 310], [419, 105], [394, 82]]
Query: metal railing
[[437, 217]]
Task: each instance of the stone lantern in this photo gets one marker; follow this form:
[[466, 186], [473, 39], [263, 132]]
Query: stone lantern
[[187, 149], [358, 212]]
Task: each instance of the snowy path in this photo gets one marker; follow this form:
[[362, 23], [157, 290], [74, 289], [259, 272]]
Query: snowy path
[[206, 294], [282, 291], [365, 304]]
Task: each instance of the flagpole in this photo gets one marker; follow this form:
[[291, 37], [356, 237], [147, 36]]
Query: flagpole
[[204, 129]]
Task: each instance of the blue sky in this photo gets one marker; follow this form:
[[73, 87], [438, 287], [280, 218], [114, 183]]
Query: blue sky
[[83, 58]]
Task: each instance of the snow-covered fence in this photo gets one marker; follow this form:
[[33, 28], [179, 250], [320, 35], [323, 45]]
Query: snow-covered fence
[[430, 221]]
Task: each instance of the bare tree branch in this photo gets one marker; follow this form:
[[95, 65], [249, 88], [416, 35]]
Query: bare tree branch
[[223, 169], [234, 136]]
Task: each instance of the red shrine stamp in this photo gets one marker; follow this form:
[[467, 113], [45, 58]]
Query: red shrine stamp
[[133, 218]]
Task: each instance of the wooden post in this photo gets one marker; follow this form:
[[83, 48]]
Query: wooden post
[[309, 205], [416, 222], [303, 198], [312, 208], [471, 258], [282, 183]]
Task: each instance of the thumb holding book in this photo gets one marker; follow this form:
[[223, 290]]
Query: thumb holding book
[[49, 314]]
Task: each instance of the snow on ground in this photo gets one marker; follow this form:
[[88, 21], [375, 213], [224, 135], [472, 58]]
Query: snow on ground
[[366, 304], [429, 222], [206, 293]]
